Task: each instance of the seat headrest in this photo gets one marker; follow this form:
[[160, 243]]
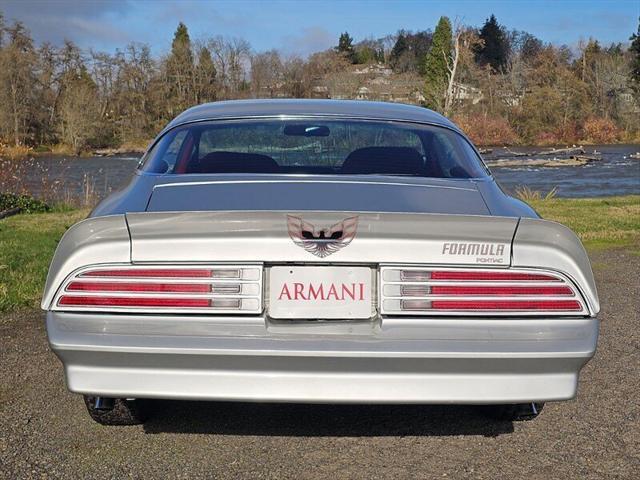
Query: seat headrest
[[237, 162], [384, 160]]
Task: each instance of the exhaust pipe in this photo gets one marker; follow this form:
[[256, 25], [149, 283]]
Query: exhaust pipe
[[526, 411], [104, 404], [534, 410]]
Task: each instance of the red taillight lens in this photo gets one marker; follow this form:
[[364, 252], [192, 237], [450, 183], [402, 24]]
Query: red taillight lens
[[566, 305], [506, 291], [133, 302], [152, 273], [138, 287], [415, 291], [493, 276], [215, 289]]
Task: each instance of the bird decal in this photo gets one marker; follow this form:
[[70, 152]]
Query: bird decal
[[322, 242]]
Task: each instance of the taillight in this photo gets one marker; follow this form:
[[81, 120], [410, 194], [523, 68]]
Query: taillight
[[162, 289], [438, 291]]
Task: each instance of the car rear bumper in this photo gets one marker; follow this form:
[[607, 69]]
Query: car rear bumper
[[386, 361]]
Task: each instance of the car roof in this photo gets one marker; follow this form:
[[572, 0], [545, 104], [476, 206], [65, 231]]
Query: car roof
[[311, 107]]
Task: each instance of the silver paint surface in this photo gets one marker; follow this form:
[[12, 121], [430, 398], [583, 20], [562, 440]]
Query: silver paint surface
[[395, 361], [235, 219]]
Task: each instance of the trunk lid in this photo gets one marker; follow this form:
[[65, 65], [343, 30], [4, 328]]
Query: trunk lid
[[268, 236]]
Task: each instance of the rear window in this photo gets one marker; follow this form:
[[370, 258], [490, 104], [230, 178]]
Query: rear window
[[314, 146]]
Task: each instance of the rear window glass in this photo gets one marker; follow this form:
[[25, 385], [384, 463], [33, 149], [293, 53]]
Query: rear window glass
[[314, 146]]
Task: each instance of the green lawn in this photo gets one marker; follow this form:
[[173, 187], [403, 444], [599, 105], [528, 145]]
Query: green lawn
[[599, 222], [27, 242]]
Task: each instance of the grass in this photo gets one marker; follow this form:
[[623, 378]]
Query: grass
[[528, 195], [599, 222], [27, 242]]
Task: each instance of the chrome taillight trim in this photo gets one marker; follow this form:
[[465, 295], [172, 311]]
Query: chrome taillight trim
[[390, 303], [250, 282]]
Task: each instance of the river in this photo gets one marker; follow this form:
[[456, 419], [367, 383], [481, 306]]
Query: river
[[68, 177], [614, 174]]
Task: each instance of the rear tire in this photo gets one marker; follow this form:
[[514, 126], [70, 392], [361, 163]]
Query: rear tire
[[124, 412], [518, 412]]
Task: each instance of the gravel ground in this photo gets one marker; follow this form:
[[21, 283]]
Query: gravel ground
[[45, 431]]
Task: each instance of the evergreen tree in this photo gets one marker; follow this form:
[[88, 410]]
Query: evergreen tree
[[634, 48], [409, 51], [399, 47], [205, 76], [345, 46], [494, 49], [345, 43], [180, 69], [436, 63], [181, 44]]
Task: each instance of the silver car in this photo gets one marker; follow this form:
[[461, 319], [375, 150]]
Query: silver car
[[318, 251]]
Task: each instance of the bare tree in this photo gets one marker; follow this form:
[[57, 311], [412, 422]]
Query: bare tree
[[17, 78], [295, 81], [266, 74], [79, 113], [464, 40], [452, 66], [232, 59]]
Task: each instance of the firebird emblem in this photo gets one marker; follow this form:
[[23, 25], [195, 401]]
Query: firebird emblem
[[322, 242]]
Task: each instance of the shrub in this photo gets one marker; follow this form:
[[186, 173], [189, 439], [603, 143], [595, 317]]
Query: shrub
[[548, 138], [487, 130], [26, 203], [15, 152], [600, 130]]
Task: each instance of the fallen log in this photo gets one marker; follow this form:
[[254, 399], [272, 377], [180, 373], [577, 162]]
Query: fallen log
[[587, 158], [110, 152], [518, 154], [9, 212], [563, 151], [539, 162]]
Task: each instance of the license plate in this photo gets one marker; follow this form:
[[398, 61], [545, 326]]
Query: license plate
[[320, 292]]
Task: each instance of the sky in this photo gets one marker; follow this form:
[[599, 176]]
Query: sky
[[304, 26]]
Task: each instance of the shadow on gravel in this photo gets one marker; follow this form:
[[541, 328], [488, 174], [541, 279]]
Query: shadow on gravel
[[302, 420]]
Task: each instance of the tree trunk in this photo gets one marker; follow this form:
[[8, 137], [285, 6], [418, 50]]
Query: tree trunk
[[14, 110], [448, 99]]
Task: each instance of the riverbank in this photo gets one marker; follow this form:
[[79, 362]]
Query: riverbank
[[22, 152], [30, 240]]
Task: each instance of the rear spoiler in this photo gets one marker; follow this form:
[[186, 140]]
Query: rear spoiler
[[263, 237]]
